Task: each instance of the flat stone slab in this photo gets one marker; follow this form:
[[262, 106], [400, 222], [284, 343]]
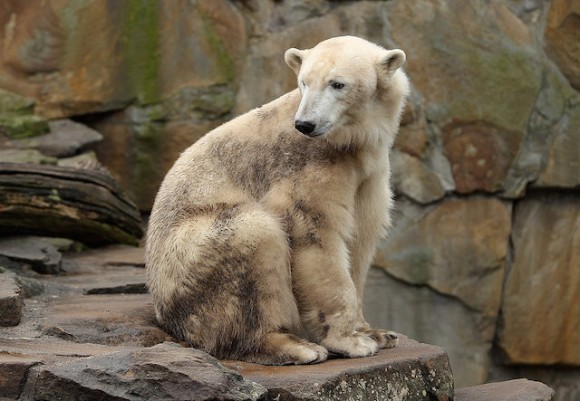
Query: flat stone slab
[[104, 280], [38, 253], [115, 255], [411, 371], [49, 349], [512, 390], [117, 319]]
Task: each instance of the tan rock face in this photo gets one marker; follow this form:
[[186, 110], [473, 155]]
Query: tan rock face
[[541, 312], [562, 32], [145, 51], [470, 69]]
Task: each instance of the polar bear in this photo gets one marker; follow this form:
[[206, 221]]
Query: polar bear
[[263, 231]]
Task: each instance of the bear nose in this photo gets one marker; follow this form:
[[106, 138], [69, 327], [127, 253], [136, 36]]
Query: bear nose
[[306, 127]]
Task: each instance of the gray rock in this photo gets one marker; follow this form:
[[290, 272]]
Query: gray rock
[[414, 180], [35, 252], [513, 390], [66, 138], [10, 301], [164, 372], [458, 247]]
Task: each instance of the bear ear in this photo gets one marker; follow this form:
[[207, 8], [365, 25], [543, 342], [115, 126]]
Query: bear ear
[[392, 60], [293, 58]]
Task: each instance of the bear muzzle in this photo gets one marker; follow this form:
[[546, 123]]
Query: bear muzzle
[[306, 127]]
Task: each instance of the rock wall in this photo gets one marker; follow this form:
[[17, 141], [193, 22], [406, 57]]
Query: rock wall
[[484, 258]]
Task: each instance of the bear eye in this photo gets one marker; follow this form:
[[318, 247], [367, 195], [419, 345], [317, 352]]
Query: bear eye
[[336, 85]]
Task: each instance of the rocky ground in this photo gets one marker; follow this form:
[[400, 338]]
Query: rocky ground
[[80, 325]]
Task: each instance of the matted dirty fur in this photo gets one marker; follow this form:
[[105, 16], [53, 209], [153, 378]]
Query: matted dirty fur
[[263, 231]]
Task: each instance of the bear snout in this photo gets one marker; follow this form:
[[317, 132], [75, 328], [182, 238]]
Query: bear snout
[[306, 127]]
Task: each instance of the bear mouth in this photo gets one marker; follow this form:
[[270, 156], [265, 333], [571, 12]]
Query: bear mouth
[[312, 134]]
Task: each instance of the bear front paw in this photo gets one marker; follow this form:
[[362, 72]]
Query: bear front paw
[[385, 338], [353, 346]]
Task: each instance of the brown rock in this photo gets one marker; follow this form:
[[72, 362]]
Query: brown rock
[[480, 155], [541, 291], [10, 301], [412, 139], [410, 371], [562, 31], [513, 390], [13, 373], [112, 54]]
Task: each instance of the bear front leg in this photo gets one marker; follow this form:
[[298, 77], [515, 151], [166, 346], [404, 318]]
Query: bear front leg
[[327, 298], [361, 255], [372, 221]]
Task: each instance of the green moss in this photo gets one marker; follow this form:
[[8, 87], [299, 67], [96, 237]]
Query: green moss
[[142, 54], [55, 195], [504, 85], [22, 126], [419, 264], [224, 62], [148, 140], [15, 104]]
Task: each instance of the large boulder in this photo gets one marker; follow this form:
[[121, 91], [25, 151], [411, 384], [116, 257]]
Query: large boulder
[[541, 291], [164, 372]]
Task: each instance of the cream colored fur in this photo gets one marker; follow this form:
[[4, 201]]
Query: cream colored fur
[[261, 237]]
